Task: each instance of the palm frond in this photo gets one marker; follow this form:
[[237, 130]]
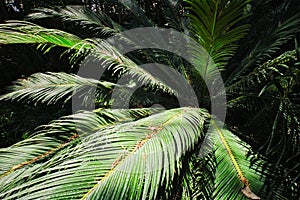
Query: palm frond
[[214, 24], [52, 87], [264, 73], [98, 24], [231, 170], [234, 175], [21, 32], [140, 156], [242, 174], [51, 138]]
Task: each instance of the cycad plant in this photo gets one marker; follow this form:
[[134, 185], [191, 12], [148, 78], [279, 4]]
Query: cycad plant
[[145, 151]]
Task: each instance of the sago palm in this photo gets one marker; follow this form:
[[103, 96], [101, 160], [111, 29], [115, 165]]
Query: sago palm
[[145, 152]]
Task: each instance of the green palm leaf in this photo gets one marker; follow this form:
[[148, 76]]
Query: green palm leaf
[[55, 136], [214, 24], [18, 32], [226, 171], [51, 87], [234, 175], [98, 24], [140, 156]]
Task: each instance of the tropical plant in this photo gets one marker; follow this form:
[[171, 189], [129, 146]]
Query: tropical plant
[[145, 152]]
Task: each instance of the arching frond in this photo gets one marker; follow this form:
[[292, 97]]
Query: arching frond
[[98, 24], [51, 138], [140, 156], [21, 32], [240, 174], [52, 87], [229, 169]]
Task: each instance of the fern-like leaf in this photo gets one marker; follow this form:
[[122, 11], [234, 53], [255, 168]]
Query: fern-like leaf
[[140, 156], [52, 87]]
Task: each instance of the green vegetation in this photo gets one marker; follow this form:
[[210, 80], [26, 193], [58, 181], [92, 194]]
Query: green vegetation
[[145, 151]]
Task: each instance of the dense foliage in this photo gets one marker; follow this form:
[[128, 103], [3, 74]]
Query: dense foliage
[[144, 151]]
